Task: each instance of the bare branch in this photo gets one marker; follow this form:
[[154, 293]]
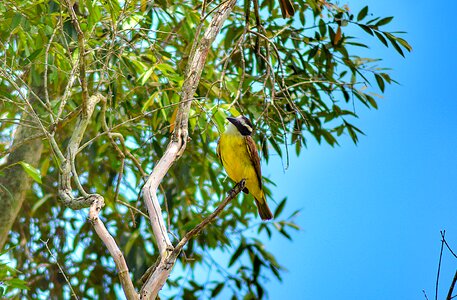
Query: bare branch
[[94, 201], [113, 248], [67, 92], [451, 288], [197, 229], [176, 147], [443, 233], [445, 242], [68, 164], [162, 269], [61, 269]]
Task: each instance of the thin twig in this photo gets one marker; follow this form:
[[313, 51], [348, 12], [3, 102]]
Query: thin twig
[[439, 264], [132, 208], [82, 54], [197, 229], [46, 67], [60, 268], [447, 245], [451, 288]]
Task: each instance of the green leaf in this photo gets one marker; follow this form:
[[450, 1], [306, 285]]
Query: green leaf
[[39, 203], [384, 21], [166, 69], [33, 55], [16, 20], [386, 77], [393, 41], [372, 101], [150, 101], [275, 146], [280, 207], [322, 27], [131, 241], [404, 44], [217, 289], [380, 82], [145, 76], [381, 38], [275, 272], [366, 28], [31, 171], [17, 283], [237, 253], [397, 47], [313, 52], [362, 14], [257, 263], [284, 233], [329, 138], [357, 44]]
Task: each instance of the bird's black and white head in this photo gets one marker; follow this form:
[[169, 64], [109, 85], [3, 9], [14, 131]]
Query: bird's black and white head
[[239, 125]]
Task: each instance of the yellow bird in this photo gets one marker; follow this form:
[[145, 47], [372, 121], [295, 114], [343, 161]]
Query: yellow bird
[[238, 153]]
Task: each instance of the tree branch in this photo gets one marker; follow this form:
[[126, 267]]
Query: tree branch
[[197, 229], [163, 267], [176, 147], [68, 164], [82, 53], [113, 248], [451, 288], [94, 201]]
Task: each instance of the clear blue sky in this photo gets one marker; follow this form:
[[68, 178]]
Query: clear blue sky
[[372, 214]]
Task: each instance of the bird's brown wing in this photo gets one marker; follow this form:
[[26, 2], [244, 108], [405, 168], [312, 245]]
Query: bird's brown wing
[[254, 155], [218, 151]]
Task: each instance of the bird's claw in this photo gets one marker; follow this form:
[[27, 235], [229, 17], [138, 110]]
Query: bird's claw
[[240, 185]]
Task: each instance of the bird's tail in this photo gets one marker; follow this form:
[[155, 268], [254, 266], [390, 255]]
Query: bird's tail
[[264, 210], [287, 8]]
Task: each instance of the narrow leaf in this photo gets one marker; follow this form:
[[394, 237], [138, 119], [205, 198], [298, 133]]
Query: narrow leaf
[[362, 14], [381, 38], [404, 44], [384, 21], [31, 171], [280, 207], [380, 82], [217, 289], [367, 29]]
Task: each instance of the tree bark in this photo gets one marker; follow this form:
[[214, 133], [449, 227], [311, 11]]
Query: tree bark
[[14, 182]]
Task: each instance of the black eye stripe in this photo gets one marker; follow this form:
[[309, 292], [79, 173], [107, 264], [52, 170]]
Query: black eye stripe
[[246, 120], [244, 126]]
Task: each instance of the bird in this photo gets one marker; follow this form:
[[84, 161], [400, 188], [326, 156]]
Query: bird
[[287, 8], [238, 154]]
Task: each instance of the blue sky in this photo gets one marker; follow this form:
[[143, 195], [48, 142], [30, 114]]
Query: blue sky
[[372, 214]]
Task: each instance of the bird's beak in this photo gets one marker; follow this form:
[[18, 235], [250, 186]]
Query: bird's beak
[[232, 120]]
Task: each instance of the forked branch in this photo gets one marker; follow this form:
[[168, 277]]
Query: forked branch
[[94, 201], [175, 149]]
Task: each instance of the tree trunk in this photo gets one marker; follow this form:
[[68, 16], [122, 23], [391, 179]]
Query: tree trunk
[[14, 182]]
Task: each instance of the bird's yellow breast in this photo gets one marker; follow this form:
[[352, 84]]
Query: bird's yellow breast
[[237, 161]]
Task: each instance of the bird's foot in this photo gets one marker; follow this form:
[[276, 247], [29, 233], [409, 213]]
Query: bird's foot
[[237, 188]]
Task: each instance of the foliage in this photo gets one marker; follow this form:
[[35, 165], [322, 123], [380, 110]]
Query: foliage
[[297, 79], [9, 281]]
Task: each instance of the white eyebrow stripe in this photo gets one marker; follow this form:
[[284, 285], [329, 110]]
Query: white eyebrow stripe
[[243, 122]]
